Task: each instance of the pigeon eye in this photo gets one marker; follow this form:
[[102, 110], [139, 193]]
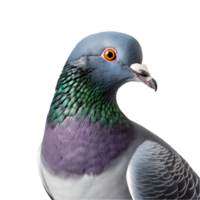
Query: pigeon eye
[[109, 54]]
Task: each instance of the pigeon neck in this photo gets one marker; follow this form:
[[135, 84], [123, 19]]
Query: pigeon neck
[[85, 128], [77, 95]]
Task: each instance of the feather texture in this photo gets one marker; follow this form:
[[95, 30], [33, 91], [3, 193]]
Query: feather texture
[[155, 172]]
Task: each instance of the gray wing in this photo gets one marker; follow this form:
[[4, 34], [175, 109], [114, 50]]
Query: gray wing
[[155, 172]]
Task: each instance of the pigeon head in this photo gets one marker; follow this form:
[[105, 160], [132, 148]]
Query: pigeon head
[[96, 68], [113, 58]]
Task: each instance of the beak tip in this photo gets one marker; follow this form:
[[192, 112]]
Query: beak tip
[[157, 87]]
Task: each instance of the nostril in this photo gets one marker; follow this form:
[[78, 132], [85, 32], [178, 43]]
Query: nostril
[[143, 72], [144, 75]]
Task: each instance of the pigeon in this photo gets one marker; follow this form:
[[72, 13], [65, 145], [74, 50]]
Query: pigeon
[[90, 149]]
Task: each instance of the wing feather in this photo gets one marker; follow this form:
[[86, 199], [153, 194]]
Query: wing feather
[[156, 172]]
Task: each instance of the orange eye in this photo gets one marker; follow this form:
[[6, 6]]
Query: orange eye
[[109, 55]]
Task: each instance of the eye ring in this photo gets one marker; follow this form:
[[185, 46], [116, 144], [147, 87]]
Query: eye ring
[[109, 54]]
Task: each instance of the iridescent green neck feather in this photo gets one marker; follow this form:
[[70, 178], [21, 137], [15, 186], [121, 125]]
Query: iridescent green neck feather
[[76, 94]]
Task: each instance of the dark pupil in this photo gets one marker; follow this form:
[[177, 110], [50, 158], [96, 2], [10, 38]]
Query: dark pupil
[[110, 54]]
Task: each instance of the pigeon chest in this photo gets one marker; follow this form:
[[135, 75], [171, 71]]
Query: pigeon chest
[[86, 161], [110, 184]]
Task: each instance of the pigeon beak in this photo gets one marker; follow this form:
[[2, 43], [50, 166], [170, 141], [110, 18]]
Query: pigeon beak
[[143, 75]]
